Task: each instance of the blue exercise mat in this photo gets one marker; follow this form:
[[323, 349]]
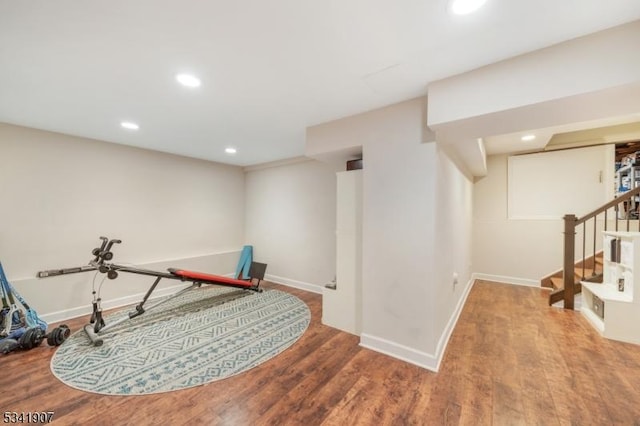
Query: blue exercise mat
[[244, 264]]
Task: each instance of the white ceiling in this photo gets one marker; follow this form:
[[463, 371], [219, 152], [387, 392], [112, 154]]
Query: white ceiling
[[607, 130], [269, 69]]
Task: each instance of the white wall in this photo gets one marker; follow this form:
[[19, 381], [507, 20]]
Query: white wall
[[516, 249], [592, 63], [291, 222], [60, 193], [549, 185], [398, 231], [404, 273], [452, 244]]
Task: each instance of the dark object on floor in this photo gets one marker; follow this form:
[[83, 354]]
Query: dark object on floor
[[8, 345]]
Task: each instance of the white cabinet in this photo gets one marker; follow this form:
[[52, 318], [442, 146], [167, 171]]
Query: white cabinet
[[613, 307], [342, 306]]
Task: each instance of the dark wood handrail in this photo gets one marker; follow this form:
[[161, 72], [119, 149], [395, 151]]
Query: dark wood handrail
[[571, 222], [627, 195]]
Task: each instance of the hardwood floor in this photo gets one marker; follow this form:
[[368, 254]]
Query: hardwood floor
[[511, 360]]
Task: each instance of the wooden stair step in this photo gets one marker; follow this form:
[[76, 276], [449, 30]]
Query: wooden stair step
[[593, 274], [557, 282], [588, 272]]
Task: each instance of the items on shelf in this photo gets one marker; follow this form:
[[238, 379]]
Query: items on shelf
[[627, 177], [618, 290]]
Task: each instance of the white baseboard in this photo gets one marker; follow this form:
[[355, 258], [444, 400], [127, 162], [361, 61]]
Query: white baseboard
[[313, 288], [110, 304], [398, 351], [506, 280], [414, 356], [451, 325]]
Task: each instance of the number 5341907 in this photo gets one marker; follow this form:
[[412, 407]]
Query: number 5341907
[[28, 417]]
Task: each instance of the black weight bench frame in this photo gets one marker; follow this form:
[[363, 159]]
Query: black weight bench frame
[[101, 264]]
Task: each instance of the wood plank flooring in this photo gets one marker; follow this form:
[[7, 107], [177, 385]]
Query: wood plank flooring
[[511, 360]]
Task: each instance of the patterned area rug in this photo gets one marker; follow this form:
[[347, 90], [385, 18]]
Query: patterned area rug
[[201, 336]]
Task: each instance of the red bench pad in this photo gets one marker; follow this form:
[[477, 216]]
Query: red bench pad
[[209, 278]]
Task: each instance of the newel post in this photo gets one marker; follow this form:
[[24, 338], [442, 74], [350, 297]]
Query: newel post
[[569, 260]]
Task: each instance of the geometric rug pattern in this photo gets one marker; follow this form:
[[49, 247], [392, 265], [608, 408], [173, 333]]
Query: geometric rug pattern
[[204, 335]]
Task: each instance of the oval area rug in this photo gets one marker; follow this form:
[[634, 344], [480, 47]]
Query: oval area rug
[[203, 335]]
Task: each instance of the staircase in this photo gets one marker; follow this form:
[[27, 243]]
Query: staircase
[[615, 215], [588, 270]]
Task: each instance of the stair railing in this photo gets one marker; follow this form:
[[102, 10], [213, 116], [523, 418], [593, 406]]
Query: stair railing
[[621, 207]]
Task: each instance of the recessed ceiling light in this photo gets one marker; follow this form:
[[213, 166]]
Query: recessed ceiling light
[[527, 138], [188, 80], [129, 125], [230, 150], [464, 7]]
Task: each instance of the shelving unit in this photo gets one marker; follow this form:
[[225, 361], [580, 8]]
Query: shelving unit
[[627, 178], [613, 307]]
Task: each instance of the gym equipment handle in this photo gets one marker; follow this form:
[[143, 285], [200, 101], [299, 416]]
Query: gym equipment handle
[[65, 271]]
